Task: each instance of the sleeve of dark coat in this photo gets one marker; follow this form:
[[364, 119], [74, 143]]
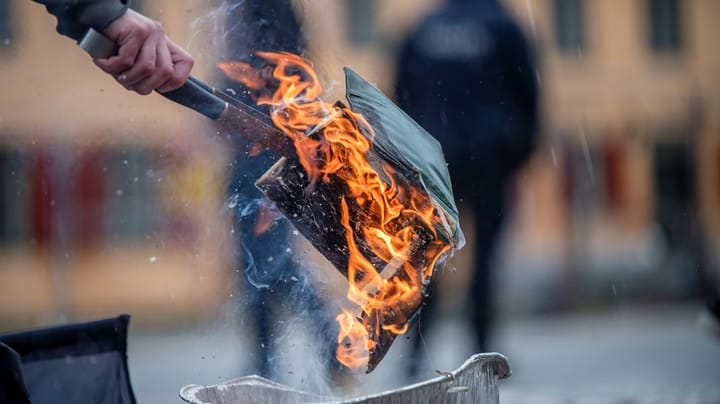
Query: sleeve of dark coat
[[76, 16]]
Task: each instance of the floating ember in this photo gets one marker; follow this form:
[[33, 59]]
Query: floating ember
[[369, 214]]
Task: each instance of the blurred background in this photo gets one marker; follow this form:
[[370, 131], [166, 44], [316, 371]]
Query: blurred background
[[111, 202]]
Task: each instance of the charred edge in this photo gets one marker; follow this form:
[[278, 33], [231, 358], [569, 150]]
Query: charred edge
[[403, 314]]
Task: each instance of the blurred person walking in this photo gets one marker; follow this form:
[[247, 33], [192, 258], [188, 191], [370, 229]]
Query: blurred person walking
[[465, 74], [273, 286]]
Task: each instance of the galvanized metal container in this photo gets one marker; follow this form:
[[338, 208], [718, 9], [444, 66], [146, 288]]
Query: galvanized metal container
[[476, 381]]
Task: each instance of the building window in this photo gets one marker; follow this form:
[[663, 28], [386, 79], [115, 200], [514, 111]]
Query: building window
[[6, 23], [664, 25], [131, 187], [13, 195], [675, 191], [360, 20], [95, 195], [569, 27]]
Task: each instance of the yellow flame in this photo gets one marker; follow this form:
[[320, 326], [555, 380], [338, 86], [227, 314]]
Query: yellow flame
[[331, 141]]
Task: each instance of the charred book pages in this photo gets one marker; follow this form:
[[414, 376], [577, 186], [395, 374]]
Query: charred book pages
[[368, 187]]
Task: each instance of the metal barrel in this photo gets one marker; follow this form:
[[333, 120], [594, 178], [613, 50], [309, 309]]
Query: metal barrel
[[476, 381]]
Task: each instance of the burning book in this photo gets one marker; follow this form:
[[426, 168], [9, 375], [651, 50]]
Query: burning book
[[368, 187]]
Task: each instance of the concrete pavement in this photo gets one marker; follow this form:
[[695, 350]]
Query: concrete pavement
[[625, 355]]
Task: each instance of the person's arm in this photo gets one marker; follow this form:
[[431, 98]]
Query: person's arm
[[76, 16], [147, 59]]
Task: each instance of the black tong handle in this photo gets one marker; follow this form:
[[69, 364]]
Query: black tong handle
[[198, 96]]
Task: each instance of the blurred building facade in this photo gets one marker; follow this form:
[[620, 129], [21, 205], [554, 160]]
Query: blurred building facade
[[111, 201]]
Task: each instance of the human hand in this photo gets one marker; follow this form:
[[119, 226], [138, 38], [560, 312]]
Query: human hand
[[147, 59]]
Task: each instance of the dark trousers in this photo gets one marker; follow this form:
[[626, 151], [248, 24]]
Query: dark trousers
[[272, 288], [487, 223]]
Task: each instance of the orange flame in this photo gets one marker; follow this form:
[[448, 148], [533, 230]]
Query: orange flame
[[331, 142]]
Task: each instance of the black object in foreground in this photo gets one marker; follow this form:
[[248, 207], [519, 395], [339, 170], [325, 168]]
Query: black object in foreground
[[75, 363]]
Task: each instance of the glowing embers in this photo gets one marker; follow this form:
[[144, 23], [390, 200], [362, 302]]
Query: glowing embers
[[377, 224]]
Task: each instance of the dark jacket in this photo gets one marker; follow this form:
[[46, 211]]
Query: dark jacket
[[76, 16], [466, 76]]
